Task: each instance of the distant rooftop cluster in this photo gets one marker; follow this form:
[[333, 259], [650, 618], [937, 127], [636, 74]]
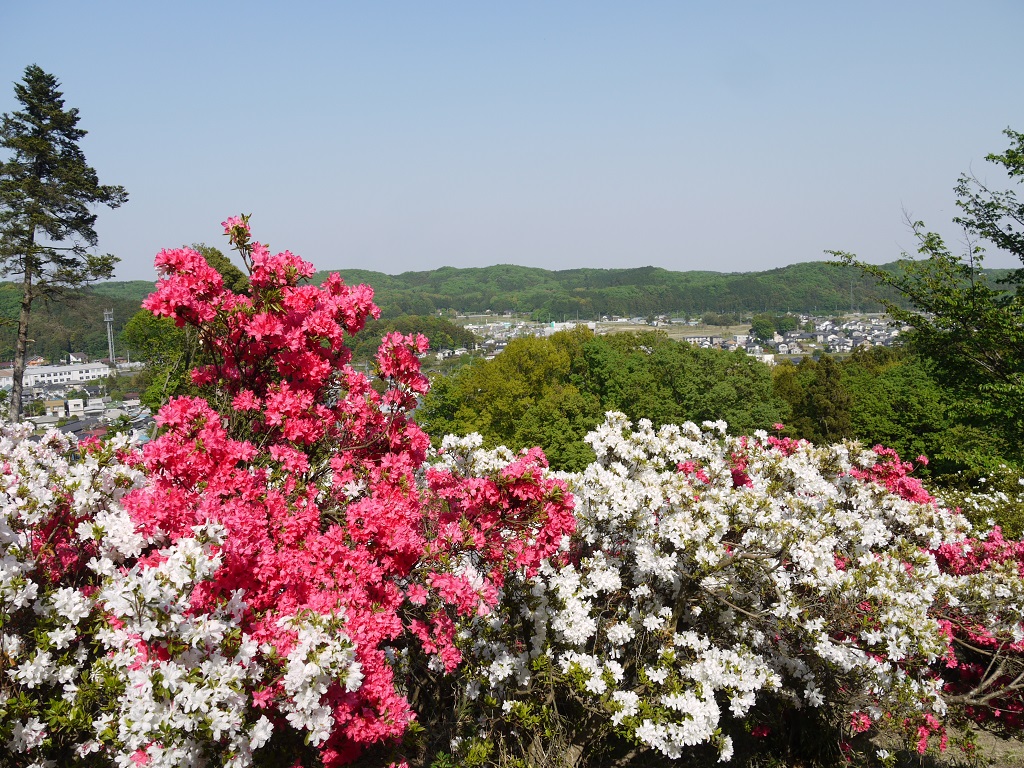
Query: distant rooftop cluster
[[829, 335], [72, 397]]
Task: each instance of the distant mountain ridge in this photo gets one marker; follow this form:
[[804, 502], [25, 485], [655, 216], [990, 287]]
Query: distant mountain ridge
[[807, 287], [77, 323], [135, 290]]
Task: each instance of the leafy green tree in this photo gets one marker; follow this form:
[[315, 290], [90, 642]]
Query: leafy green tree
[[714, 318], [765, 326], [784, 323], [969, 327], [558, 421], [896, 402], [169, 352], [762, 327], [47, 191], [35, 408], [649, 376], [525, 396], [819, 400], [551, 392], [887, 396]]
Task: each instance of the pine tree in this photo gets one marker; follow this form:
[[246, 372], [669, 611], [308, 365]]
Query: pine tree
[[47, 191]]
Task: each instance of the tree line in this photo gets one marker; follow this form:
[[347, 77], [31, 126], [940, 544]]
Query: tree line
[[818, 287], [552, 391], [72, 323]]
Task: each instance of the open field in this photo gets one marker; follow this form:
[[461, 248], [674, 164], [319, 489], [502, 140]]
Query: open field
[[677, 331]]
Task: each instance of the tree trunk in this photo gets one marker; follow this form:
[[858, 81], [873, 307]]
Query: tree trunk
[[554, 753], [21, 349]]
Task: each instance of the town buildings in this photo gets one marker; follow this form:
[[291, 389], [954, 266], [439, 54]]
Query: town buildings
[[42, 375]]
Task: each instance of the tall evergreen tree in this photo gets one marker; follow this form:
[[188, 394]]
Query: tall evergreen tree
[[47, 195]]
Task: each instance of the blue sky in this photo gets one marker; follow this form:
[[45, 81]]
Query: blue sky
[[399, 136]]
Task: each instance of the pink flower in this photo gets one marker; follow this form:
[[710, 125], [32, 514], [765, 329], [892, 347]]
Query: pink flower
[[233, 222], [922, 740], [237, 229], [417, 594], [291, 459], [860, 722], [245, 401]]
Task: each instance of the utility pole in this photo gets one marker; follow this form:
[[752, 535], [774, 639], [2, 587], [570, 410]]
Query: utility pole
[[108, 318]]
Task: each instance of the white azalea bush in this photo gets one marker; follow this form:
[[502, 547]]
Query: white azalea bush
[[717, 588], [192, 701], [999, 495], [48, 613], [80, 613]]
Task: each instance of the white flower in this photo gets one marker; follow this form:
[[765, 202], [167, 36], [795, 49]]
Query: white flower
[[629, 705], [653, 622], [725, 750], [261, 732], [27, 735], [87, 748], [35, 671], [656, 676], [620, 632], [813, 696]]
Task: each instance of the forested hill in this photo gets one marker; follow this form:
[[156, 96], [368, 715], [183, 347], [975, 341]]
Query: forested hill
[[808, 287], [129, 290], [72, 322], [75, 323]]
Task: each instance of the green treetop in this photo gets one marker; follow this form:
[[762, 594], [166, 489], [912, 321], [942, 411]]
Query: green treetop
[[970, 328]]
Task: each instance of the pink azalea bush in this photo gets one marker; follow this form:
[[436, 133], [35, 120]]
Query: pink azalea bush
[[288, 575], [985, 665], [286, 514]]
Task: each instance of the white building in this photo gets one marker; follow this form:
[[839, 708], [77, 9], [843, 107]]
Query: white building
[[38, 375], [556, 327]]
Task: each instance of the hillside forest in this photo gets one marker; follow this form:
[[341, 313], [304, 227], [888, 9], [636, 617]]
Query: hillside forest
[[75, 322]]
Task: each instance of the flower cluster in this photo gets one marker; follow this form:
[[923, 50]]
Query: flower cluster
[[714, 579], [984, 619], [61, 531], [186, 674], [313, 474]]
